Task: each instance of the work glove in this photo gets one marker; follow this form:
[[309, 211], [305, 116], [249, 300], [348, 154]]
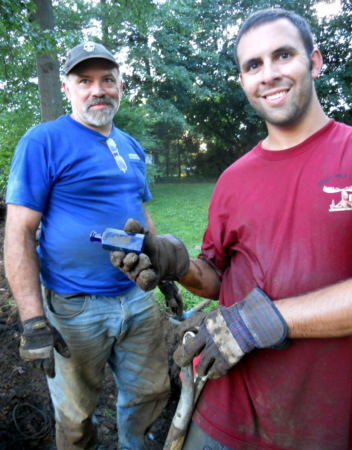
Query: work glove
[[164, 258], [226, 334], [38, 340], [172, 296]]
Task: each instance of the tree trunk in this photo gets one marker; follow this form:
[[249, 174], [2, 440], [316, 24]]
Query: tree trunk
[[51, 105], [104, 27], [179, 158]]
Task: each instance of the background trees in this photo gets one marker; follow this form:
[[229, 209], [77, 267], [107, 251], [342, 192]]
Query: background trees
[[182, 98]]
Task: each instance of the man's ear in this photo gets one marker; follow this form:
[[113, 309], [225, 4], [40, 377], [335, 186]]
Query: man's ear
[[241, 81], [316, 63], [121, 88], [66, 89]]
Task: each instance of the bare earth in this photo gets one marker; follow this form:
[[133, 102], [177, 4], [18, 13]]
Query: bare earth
[[26, 412]]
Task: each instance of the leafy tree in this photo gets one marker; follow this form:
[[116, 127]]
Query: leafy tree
[[334, 39], [135, 120], [18, 110], [188, 63]]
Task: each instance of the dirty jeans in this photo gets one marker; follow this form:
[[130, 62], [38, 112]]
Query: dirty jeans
[[196, 439], [124, 332]]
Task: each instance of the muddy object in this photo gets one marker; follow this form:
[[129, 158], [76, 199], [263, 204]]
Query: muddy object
[[168, 256], [192, 386], [172, 296], [118, 240], [183, 414]]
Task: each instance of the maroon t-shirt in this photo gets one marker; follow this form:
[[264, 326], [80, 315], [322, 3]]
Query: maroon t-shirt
[[282, 220]]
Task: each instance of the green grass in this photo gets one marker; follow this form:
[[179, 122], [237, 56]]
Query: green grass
[[109, 414], [182, 210], [10, 303]]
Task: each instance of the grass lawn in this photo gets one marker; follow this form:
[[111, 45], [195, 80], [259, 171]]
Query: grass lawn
[[182, 210]]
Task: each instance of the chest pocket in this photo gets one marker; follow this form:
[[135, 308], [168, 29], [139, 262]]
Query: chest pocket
[[139, 170]]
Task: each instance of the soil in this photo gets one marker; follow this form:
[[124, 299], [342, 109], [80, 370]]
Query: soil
[[26, 412]]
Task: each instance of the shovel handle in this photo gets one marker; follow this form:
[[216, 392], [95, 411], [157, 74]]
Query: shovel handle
[[184, 410]]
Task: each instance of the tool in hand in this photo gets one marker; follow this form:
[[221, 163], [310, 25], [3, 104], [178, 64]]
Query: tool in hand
[[119, 241], [177, 320], [192, 385]]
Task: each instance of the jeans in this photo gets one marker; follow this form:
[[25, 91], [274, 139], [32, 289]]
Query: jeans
[[196, 439], [126, 333]]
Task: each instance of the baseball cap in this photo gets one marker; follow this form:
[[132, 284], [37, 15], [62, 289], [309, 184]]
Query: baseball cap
[[85, 51]]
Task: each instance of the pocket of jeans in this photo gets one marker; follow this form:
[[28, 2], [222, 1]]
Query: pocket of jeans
[[61, 306]]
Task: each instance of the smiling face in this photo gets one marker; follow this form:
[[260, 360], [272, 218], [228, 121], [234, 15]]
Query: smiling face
[[94, 89], [276, 73]]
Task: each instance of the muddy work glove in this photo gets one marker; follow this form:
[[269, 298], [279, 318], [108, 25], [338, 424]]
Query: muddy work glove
[[173, 297], [164, 258], [227, 334], [38, 340]]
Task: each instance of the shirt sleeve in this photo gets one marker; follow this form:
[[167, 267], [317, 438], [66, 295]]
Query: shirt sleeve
[[219, 238], [29, 180], [146, 192]]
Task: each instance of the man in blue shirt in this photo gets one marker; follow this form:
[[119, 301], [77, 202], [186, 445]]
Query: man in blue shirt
[[74, 175]]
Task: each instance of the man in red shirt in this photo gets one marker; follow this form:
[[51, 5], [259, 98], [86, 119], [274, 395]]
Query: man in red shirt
[[278, 350]]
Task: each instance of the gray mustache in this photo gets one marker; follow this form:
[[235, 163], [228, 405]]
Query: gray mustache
[[100, 101]]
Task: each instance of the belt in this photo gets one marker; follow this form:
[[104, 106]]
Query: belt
[[80, 294]]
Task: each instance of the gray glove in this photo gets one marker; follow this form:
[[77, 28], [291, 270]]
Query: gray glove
[[38, 340], [226, 334], [164, 258], [172, 296]]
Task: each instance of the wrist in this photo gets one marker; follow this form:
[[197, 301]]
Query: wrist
[[37, 339], [180, 262], [34, 323], [262, 319], [33, 308]]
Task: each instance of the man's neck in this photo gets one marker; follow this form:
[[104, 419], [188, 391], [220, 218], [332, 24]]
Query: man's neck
[[283, 138], [105, 130]]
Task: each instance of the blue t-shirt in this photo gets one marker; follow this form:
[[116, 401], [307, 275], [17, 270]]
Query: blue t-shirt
[[67, 172]]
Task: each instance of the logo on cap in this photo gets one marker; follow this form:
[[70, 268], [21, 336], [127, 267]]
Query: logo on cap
[[89, 46]]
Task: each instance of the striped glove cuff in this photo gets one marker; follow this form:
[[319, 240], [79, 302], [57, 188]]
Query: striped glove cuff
[[252, 323]]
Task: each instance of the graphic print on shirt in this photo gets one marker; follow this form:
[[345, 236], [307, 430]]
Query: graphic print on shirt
[[344, 202], [134, 156]]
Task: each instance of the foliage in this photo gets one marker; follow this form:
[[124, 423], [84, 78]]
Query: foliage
[[334, 38], [151, 172], [194, 179], [15, 119], [135, 120]]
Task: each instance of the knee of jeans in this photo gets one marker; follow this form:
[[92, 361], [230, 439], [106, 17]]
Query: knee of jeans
[[68, 438]]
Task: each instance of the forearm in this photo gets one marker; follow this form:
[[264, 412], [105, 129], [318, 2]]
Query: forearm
[[148, 219], [22, 267], [320, 314], [201, 280]]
